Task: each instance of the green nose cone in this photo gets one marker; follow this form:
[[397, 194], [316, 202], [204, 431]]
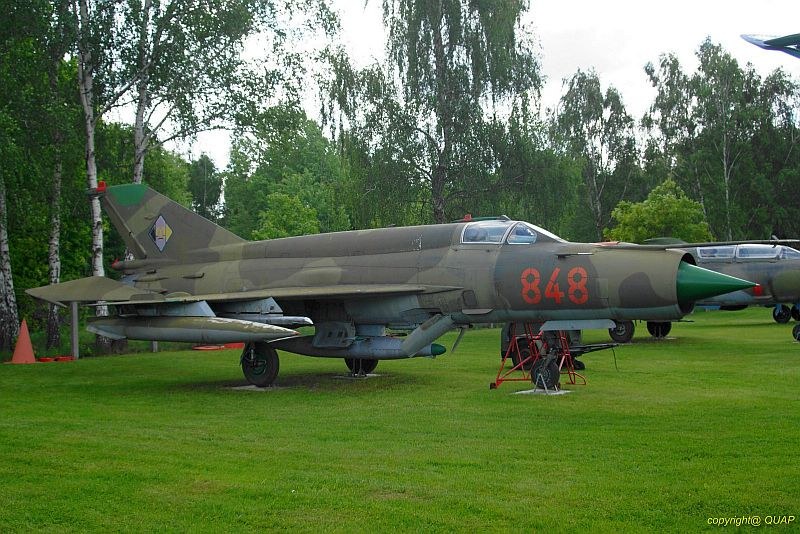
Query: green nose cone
[[695, 283]]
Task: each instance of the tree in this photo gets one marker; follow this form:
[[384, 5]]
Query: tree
[[668, 121], [725, 116], [535, 183], [666, 212], [727, 137], [95, 43], [423, 115], [9, 319], [184, 61], [285, 153], [35, 123], [594, 127], [205, 186], [285, 216]]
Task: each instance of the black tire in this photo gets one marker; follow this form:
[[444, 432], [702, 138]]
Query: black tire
[[622, 332], [782, 314], [796, 332], [525, 353], [659, 329], [795, 313], [361, 366], [260, 364], [545, 374], [578, 365]]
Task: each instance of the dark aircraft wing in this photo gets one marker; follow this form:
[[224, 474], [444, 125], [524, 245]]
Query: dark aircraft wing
[[90, 289], [99, 288], [789, 43]]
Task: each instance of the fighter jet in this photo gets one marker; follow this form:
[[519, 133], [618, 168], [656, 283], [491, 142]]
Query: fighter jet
[[789, 44], [774, 268], [370, 295]]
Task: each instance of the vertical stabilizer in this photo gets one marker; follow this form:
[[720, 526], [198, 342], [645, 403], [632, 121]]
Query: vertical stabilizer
[[153, 226]]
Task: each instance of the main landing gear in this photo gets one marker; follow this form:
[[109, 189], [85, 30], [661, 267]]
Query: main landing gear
[[360, 366], [783, 313], [623, 330], [659, 329], [260, 364]]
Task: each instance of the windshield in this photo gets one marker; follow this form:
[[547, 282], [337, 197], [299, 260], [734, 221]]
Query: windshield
[[525, 233], [493, 231], [485, 231]]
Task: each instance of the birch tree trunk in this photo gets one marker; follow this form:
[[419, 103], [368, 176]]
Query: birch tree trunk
[[86, 81], [86, 87], [140, 138], [54, 250], [9, 316]]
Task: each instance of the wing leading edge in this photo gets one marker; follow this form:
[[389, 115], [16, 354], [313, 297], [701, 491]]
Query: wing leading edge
[[99, 288]]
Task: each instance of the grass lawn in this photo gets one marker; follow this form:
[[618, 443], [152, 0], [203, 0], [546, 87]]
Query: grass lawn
[[666, 435]]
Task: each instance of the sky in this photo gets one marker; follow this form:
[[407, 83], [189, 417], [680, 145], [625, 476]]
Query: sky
[[615, 37]]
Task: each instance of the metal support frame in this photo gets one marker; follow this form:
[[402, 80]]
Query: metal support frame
[[535, 345]]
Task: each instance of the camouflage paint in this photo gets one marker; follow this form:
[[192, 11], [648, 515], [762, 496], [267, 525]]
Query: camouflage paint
[[353, 284]]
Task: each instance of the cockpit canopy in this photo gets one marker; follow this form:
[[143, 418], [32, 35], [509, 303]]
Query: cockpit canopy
[[499, 231], [747, 252]]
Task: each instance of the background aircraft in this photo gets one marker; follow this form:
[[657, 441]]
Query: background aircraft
[[194, 281], [775, 268], [789, 44]]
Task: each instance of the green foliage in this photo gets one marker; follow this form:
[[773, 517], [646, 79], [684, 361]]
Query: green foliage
[[727, 137], [205, 186], [666, 212], [423, 122], [594, 128], [285, 216], [286, 154]]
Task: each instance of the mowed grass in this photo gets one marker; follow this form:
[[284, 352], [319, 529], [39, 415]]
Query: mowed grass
[[665, 435]]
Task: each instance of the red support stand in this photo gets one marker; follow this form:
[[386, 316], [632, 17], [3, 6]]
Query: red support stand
[[526, 349]]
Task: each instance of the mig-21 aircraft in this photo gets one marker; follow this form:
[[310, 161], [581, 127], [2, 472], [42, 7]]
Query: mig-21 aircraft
[[193, 281]]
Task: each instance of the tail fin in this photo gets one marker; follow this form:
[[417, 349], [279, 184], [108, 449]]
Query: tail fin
[[153, 226]]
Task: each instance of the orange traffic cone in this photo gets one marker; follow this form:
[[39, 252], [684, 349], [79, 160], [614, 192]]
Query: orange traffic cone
[[23, 351]]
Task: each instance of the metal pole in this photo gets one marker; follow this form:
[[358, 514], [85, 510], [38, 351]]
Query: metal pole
[[74, 329]]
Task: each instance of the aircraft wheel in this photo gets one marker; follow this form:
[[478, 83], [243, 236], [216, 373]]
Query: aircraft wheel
[[525, 352], [795, 313], [659, 329], [622, 332], [796, 332], [361, 366], [782, 314], [545, 374], [260, 364], [578, 365]]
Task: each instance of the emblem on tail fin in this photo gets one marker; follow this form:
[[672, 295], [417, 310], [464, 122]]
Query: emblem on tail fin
[[160, 233]]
